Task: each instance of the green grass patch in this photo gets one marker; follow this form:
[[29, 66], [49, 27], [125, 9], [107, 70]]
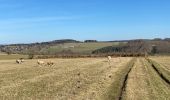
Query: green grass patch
[[79, 47]]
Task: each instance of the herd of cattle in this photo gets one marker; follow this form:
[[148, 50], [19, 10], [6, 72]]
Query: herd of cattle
[[50, 63], [39, 62]]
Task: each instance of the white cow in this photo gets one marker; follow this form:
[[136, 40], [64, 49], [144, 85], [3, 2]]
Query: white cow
[[18, 61], [109, 59], [39, 62]]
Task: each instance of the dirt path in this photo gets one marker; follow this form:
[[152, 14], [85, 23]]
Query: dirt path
[[145, 84]]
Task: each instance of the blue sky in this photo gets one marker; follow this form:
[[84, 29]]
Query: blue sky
[[25, 21]]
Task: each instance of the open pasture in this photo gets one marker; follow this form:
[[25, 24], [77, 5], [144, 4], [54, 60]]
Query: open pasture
[[88, 78], [82, 79]]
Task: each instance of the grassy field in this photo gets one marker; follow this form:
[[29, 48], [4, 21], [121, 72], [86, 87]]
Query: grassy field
[[145, 84], [83, 79], [79, 47], [162, 65], [68, 79]]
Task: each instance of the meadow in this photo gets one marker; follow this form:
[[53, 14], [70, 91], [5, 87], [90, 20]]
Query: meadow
[[125, 78], [84, 48]]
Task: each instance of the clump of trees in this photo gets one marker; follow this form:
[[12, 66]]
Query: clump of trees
[[90, 41], [132, 47], [154, 49]]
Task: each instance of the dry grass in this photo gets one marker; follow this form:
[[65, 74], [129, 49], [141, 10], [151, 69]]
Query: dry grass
[[67, 79], [145, 84], [163, 66], [81, 79], [163, 60]]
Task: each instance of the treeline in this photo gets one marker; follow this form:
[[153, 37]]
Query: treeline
[[134, 46], [140, 47]]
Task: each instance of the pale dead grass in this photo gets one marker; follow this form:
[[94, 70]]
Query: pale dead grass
[[67, 79], [101, 80], [145, 84], [162, 65], [137, 87], [164, 61]]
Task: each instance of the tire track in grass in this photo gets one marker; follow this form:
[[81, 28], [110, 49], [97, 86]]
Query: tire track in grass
[[136, 84], [89, 78], [101, 81], [164, 61], [160, 71], [125, 82], [145, 84], [160, 90], [115, 91]]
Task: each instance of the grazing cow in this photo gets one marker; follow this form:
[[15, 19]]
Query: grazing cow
[[109, 59], [39, 62], [50, 63], [22, 59], [18, 61]]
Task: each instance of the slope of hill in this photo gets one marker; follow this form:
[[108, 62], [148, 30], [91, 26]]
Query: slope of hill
[[66, 46], [69, 46]]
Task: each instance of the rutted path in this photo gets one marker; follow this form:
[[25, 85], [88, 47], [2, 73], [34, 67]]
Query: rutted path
[[83, 79], [163, 71], [145, 84]]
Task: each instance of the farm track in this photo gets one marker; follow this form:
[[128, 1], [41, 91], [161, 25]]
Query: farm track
[[161, 71], [164, 61], [145, 84], [83, 79], [60, 81], [125, 80], [118, 85]]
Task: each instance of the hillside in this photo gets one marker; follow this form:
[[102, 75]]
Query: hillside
[[88, 47], [67, 46]]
